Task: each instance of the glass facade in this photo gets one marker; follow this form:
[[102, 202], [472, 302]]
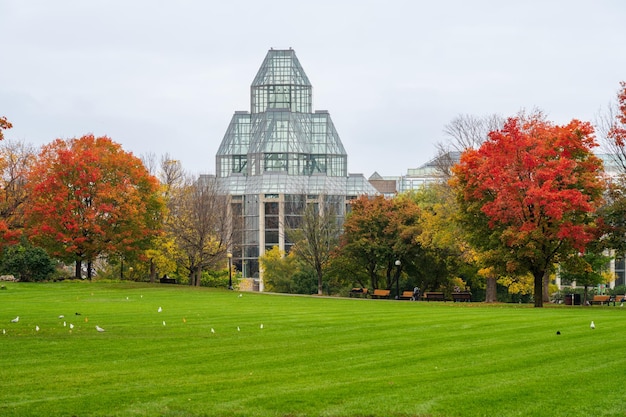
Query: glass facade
[[279, 157]]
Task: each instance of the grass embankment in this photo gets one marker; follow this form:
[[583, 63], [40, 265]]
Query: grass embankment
[[313, 356]]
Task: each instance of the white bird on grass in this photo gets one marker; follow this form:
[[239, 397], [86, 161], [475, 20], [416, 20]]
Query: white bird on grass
[[100, 329], [163, 322], [71, 326], [159, 310], [4, 331], [61, 316], [64, 324], [36, 328], [238, 329], [592, 326], [261, 325], [15, 320], [212, 330]]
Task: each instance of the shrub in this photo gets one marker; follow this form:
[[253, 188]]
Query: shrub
[[27, 262]]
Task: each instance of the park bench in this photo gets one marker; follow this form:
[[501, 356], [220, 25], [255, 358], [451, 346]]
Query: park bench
[[608, 299], [462, 296], [434, 296], [378, 293], [358, 292], [601, 299], [165, 280], [406, 295]]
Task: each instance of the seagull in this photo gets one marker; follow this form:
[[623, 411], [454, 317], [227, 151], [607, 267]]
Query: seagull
[[64, 324], [212, 330], [159, 310], [15, 320], [100, 329], [261, 325], [71, 326], [61, 316], [593, 326], [240, 295], [4, 331], [238, 329], [36, 328], [163, 322]]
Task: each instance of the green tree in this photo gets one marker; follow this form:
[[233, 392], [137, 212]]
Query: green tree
[[378, 232], [27, 262], [588, 269]]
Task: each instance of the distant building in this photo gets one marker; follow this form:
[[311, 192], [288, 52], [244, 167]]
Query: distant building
[[279, 157], [415, 178]]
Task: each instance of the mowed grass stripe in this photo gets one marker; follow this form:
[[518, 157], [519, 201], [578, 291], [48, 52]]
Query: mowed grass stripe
[[313, 357]]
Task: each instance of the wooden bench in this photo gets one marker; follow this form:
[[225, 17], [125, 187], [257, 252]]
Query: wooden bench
[[462, 296], [434, 296], [608, 299], [358, 292], [406, 295], [378, 293], [165, 280], [601, 299]]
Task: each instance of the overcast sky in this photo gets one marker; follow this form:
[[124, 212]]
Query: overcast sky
[[166, 76]]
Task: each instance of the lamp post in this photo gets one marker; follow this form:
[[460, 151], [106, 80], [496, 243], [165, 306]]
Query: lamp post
[[230, 270], [398, 264]]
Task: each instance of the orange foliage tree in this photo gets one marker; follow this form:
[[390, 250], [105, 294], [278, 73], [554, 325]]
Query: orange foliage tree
[[528, 192], [7, 236], [88, 198]]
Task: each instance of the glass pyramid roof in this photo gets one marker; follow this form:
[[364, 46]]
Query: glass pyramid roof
[[281, 133]]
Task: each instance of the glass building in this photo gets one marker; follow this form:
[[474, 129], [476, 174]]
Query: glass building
[[279, 157]]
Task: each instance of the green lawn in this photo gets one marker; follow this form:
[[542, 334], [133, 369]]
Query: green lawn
[[313, 357]]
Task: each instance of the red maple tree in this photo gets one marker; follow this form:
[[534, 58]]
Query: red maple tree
[[89, 197], [528, 192]]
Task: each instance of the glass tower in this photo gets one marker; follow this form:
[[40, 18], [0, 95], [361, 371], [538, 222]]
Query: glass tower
[[279, 157]]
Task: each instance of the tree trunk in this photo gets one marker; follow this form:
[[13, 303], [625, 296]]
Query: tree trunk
[[152, 271], [89, 266], [198, 276], [546, 286], [491, 295], [78, 274], [538, 290], [320, 287]]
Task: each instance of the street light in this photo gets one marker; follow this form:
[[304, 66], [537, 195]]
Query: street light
[[398, 263], [230, 270]]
